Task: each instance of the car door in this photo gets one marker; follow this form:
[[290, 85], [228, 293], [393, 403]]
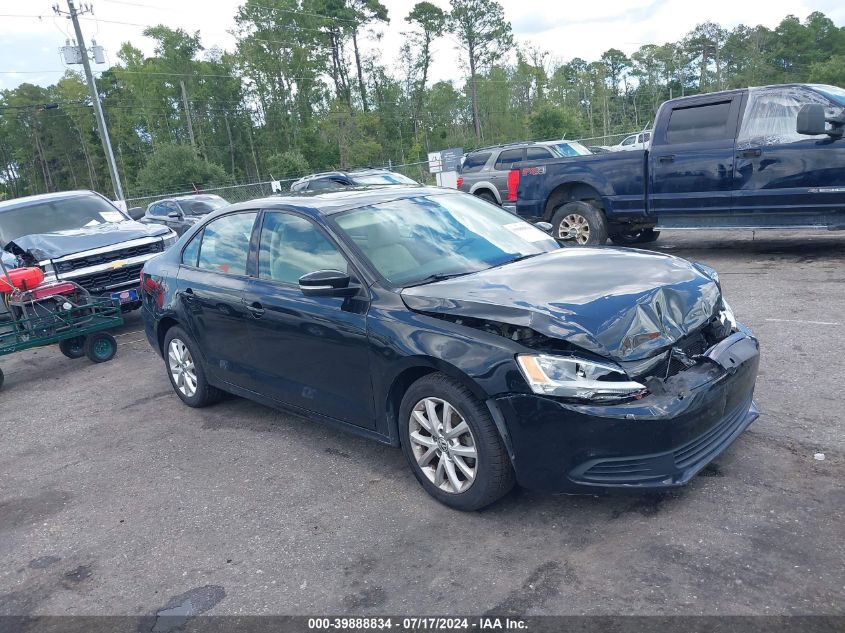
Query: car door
[[692, 156], [779, 171], [210, 287], [501, 169], [309, 352]]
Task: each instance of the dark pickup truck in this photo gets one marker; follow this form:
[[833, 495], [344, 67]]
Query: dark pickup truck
[[771, 157]]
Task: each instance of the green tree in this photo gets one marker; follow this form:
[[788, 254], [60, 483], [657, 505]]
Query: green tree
[[175, 168], [485, 36], [554, 122], [431, 22], [286, 164]]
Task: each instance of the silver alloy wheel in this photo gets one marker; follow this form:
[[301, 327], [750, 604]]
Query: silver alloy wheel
[[443, 445], [574, 227], [181, 365]]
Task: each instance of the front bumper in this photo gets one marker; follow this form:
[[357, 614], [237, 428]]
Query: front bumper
[[660, 441]]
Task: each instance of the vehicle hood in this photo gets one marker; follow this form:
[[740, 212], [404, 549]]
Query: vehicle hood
[[622, 304], [43, 246]]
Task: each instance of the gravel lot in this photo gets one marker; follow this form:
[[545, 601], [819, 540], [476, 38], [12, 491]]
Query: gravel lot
[[117, 499]]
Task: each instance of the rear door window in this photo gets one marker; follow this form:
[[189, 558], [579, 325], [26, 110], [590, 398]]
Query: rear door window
[[225, 244], [509, 158], [475, 162], [696, 124]]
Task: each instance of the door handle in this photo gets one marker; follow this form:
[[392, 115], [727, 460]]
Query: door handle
[[668, 158], [255, 308], [751, 153]]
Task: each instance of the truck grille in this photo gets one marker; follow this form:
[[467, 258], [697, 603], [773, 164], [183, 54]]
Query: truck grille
[[108, 279], [111, 256]]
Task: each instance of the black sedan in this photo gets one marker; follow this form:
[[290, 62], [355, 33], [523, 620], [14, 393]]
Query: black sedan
[[431, 320], [182, 212]]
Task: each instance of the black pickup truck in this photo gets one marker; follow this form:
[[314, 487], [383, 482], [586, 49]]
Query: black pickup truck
[[771, 157]]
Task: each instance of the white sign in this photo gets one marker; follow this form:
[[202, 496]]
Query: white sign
[[527, 232], [435, 163]]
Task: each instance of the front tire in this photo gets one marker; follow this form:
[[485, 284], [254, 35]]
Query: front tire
[[185, 370], [452, 444], [579, 224]]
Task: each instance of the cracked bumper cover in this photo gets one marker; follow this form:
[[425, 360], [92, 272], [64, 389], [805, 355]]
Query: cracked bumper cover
[[660, 441]]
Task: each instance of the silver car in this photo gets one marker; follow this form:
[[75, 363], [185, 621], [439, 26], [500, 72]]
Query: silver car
[[484, 172]]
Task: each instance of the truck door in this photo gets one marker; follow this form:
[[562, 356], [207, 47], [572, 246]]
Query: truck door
[[691, 163], [789, 177]]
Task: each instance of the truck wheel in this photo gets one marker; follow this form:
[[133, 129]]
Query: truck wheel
[[487, 197], [73, 347], [580, 224], [100, 347], [641, 236]]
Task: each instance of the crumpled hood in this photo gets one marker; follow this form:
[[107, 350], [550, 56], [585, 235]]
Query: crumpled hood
[[43, 246], [622, 304]]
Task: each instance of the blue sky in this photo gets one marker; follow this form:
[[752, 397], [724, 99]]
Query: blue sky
[[29, 46]]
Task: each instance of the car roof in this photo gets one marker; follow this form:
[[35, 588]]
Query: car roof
[[512, 145], [44, 197], [324, 203], [190, 196], [353, 172]]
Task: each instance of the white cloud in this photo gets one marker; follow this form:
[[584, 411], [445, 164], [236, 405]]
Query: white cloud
[[565, 29]]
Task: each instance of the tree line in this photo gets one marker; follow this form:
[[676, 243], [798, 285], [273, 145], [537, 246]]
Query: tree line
[[300, 92]]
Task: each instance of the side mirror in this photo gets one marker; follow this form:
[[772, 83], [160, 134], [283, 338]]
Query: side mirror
[[174, 215], [136, 213], [811, 120], [327, 283], [545, 227]]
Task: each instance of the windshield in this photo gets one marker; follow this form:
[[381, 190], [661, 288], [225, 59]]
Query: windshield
[[415, 240], [833, 93], [382, 179], [50, 216], [571, 148]]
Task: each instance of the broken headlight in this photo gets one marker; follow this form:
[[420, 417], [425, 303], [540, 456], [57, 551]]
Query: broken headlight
[[726, 316], [569, 377]]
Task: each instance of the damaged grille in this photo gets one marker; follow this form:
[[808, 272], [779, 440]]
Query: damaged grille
[[689, 347], [108, 279], [111, 256]]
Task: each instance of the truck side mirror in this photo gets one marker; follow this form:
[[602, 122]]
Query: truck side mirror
[[811, 120]]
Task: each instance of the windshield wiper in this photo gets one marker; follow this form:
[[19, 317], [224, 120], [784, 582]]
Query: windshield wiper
[[519, 258], [438, 277]]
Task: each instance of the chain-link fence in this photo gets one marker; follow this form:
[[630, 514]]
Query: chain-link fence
[[417, 171], [231, 193]]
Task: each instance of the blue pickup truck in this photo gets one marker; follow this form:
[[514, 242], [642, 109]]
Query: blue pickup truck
[[771, 157]]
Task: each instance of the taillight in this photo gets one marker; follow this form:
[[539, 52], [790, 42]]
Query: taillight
[[513, 184], [460, 181]]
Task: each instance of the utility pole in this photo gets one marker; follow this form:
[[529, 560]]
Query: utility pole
[[73, 16], [188, 115]]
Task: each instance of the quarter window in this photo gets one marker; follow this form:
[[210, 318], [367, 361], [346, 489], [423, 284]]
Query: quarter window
[[700, 123], [192, 250], [508, 158], [225, 244], [475, 162], [292, 246]]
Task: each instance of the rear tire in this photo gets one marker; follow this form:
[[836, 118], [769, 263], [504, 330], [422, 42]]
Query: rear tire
[[487, 197], [452, 444], [641, 236], [185, 370], [73, 347], [100, 347], [579, 224]]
